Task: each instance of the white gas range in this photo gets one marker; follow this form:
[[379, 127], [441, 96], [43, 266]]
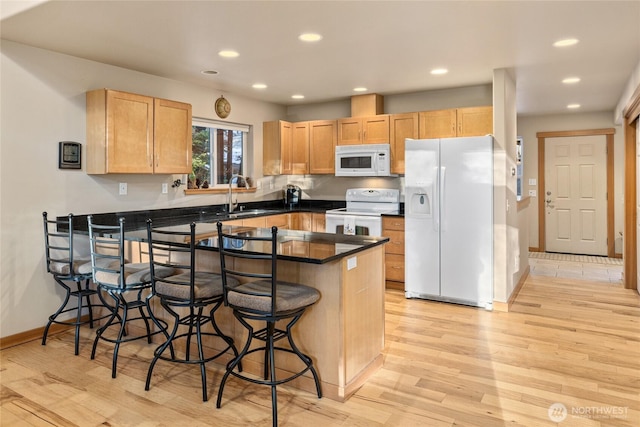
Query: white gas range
[[363, 214]]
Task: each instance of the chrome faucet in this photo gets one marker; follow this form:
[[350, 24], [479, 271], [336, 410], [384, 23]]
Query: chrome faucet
[[246, 185]]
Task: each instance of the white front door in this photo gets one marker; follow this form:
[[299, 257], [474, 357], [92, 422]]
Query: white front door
[[576, 195]]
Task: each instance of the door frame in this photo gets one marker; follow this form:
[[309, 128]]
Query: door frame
[[631, 115], [542, 136]]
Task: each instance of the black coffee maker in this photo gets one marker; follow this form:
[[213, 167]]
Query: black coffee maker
[[292, 196]]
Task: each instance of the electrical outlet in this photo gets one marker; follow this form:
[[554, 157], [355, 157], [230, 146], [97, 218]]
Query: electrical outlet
[[165, 188], [123, 189], [258, 184], [532, 193]]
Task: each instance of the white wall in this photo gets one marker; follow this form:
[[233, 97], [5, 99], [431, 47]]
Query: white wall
[[528, 126], [42, 103], [506, 245]]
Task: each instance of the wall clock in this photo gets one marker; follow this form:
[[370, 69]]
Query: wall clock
[[223, 108]]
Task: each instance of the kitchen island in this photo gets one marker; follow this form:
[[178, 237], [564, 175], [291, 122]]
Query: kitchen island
[[344, 331]]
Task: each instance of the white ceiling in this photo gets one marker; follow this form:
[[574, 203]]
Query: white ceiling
[[387, 46]]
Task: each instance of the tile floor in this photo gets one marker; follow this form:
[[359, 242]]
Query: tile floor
[[576, 267]]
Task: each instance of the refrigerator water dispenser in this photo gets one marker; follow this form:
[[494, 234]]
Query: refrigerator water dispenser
[[420, 202]]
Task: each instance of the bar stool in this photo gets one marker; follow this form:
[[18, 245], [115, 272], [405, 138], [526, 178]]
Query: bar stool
[[264, 299], [189, 290], [65, 266], [125, 283]]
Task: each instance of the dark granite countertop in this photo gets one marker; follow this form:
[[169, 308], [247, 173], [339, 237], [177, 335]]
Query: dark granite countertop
[[137, 220], [293, 245]]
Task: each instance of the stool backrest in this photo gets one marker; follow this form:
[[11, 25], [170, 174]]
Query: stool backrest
[[107, 251], [175, 249], [58, 246], [239, 246]]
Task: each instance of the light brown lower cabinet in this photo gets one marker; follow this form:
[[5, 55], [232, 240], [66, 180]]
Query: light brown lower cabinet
[[282, 221], [393, 228], [309, 221]]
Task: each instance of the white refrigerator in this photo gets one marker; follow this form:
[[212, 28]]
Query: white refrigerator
[[449, 220]]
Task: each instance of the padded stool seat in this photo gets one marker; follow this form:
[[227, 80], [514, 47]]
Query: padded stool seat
[[256, 296]]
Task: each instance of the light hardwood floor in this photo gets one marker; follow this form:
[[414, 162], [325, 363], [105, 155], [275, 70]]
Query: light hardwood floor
[[568, 342]]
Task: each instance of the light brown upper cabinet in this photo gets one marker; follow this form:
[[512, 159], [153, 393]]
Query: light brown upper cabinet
[[172, 135], [130, 133], [322, 146], [300, 148], [472, 121], [276, 147], [401, 126], [364, 130]]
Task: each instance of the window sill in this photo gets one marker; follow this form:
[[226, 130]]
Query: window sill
[[194, 191]]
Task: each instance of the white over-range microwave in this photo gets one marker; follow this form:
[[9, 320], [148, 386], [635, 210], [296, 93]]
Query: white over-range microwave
[[363, 160]]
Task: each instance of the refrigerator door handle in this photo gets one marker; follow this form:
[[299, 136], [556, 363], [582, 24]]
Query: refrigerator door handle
[[435, 190], [442, 195]]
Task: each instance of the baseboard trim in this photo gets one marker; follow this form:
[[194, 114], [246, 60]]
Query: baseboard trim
[[34, 334], [506, 306]]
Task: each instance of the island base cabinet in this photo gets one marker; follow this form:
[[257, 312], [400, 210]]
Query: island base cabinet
[[343, 332]]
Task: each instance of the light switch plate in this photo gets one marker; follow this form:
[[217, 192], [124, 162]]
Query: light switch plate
[[532, 193], [352, 263], [165, 188], [532, 181]]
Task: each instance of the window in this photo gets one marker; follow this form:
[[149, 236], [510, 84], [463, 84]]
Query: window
[[219, 152]]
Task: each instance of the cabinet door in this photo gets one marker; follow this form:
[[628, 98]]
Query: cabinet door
[[300, 148], [282, 221], [172, 141], [322, 146], [394, 267], [258, 222], [401, 126], [437, 124], [475, 121], [304, 221], [318, 222], [349, 131], [129, 133], [273, 134], [375, 129], [286, 148]]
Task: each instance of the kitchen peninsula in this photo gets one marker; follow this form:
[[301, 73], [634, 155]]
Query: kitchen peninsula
[[344, 331]]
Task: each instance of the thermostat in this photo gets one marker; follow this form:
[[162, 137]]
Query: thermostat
[[69, 155]]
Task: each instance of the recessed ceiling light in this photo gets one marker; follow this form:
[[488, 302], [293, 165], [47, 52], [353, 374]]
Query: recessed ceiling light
[[259, 86], [565, 42], [228, 54], [359, 89], [310, 37], [209, 72], [439, 71], [297, 96], [571, 80], [573, 106]]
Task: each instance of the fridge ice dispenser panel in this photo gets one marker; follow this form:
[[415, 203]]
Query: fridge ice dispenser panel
[[420, 202]]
